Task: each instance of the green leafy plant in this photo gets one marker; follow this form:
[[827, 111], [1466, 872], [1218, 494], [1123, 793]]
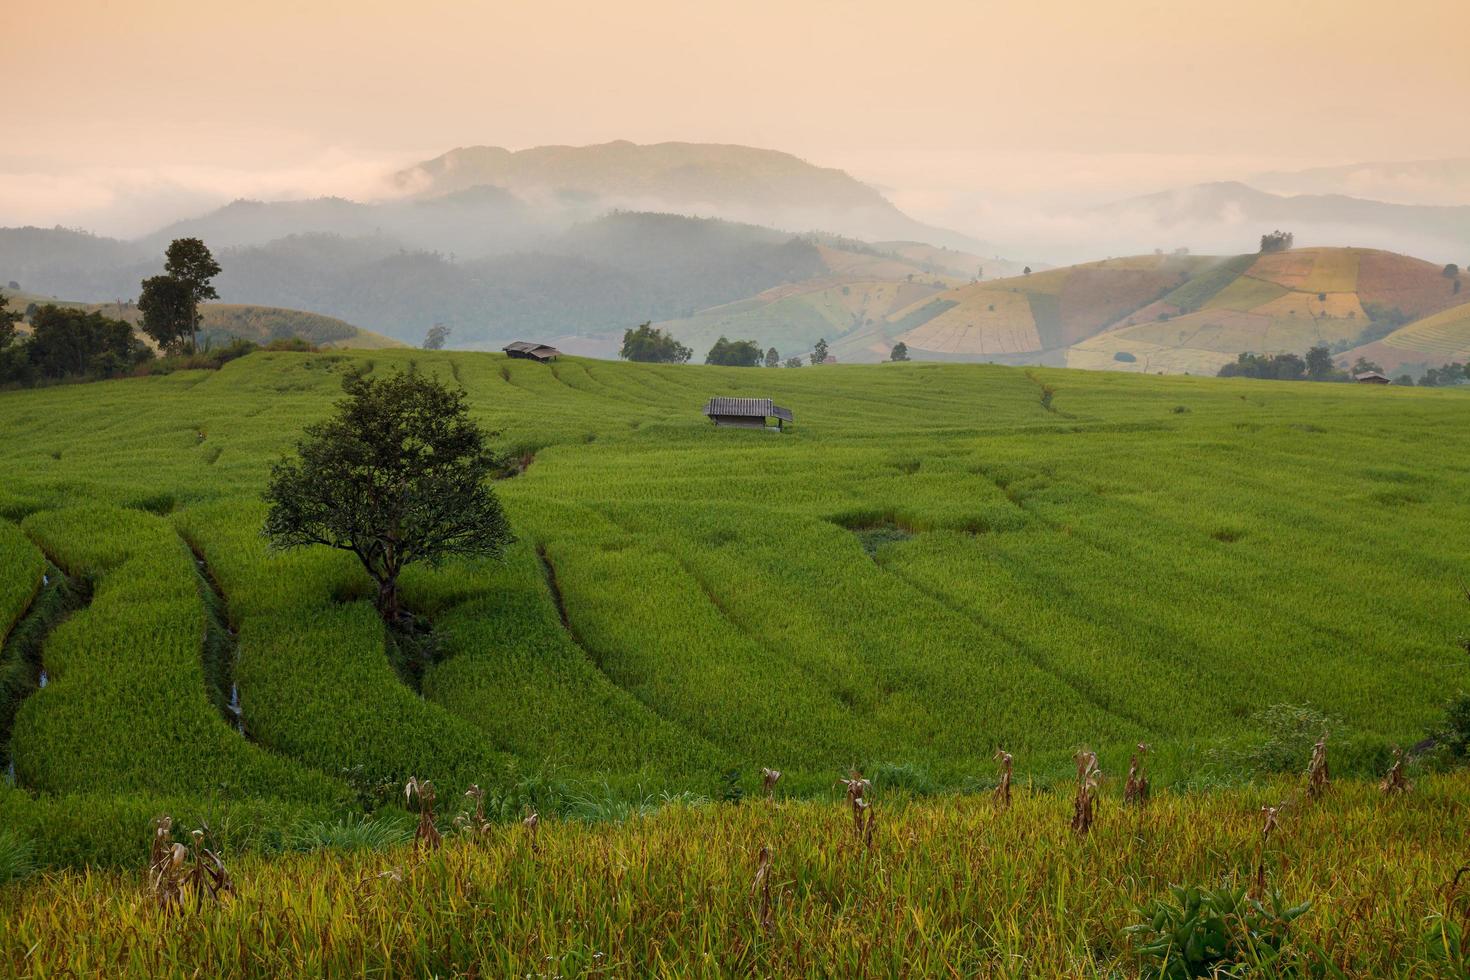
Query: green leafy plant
[[1212, 932]]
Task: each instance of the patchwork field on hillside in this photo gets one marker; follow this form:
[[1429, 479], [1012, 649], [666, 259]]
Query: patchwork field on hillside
[[1440, 338], [937, 560], [1151, 313]]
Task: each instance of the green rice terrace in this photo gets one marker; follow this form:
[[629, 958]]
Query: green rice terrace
[[932, 563]]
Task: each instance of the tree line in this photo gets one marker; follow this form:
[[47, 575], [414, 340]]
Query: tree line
[[651, 345], [68, 342], [1318, 365]]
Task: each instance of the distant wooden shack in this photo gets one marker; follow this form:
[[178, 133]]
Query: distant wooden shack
[[746, 413], [531, 352], [1372, 378]]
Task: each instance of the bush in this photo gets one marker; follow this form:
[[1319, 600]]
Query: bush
[[1289, 731]]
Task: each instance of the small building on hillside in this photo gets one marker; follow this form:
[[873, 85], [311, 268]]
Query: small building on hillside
[[746, 413], [1372, 378], [531, 352]]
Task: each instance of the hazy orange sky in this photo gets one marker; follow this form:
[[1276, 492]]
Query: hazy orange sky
[[167, 101]]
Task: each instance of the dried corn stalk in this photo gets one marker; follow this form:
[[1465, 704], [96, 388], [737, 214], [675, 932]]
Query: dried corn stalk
[[1089, 783], [1394, 781], [761, 886], [531, 821], [1135, 790], [1319, 780], [474, 822], [427, 835], [1002, 793], [858, 789], [1271, 815]]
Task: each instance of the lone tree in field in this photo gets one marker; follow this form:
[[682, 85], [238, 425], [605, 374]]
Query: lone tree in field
[[437, 337], [819, 353], [170, 302], [773, 357], [396, 476], [900, 352]]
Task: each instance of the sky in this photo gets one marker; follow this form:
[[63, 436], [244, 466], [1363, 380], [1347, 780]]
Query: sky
[[121, 116]]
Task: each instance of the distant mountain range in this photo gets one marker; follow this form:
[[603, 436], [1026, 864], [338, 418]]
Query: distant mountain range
[[1224, 216], [1434, 182], [575, 244]]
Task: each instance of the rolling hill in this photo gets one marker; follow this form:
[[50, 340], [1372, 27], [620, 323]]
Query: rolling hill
[[1155, 313], [225, 321]]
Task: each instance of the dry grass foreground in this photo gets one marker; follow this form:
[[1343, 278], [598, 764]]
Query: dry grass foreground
[[953, 886]]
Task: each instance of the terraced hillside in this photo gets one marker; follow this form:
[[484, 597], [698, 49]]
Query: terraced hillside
[[937, 560], [1440, 338], [1283, 302], [1174, 314]]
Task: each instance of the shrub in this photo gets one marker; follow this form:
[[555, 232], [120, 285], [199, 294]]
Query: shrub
[[1212, 933]]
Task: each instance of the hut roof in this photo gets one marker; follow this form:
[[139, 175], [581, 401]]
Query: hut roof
[[525, 347], [751, 407]]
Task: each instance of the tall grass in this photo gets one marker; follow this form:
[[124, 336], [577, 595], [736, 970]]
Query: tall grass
[[948, 886]]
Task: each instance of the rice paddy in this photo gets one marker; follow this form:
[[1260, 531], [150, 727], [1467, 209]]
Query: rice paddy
[[935, 562]]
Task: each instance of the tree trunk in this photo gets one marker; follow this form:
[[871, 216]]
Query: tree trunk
[[388, 600]]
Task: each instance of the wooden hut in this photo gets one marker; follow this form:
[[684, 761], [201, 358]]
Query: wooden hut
[[1372, 378], [531, 352], [746, 413]]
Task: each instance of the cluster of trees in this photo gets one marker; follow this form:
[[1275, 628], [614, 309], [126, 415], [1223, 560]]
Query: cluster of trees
[[735, 353], [1317, 365], [66, 342], [1443, 376], [651, 345], [1277, 241], [169, 303]]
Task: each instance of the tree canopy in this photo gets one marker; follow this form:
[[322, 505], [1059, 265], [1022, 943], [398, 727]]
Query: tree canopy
[[734, 353], [773, 358], [1277, 241], [170, 303], [8, 320], [396, 476], [819, 352], [437, 337], [900, 352], [652, 346], [67, 342]]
